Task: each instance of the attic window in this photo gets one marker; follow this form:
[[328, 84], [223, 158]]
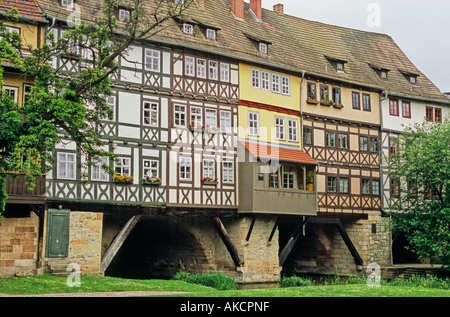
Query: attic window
[[188, 28], [411, 77], [338, 64], [381, 72], [67, 3], [340, 67], [124, 15], [211, 34], [263, 47]]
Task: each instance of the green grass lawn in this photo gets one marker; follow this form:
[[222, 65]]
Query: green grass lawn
[[47, 284]]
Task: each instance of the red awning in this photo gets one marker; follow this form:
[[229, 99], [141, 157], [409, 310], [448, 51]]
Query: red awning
[[279, 153]]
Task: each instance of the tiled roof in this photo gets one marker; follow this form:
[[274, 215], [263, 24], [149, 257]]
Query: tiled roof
[[27, 9], [278, 153], [295, 44]]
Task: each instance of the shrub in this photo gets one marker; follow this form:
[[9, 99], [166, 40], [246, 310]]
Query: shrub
[[422, 282], [295, 281], [218, 281]]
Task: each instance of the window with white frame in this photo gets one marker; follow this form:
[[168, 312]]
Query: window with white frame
[[150, 168], [124, 15], [265, 80], [111, 102], [26, 92], [13, 92], [196, 117], [288, 175], [180, 115], [263, 47], [66, 165], [211, 34], [213, 70], [98, 172], [210, 118], [293, 130], [365, 186], [225, 72], [12, 29], [285, 85], [276, 83], [150, 114], [185, 168], [225, 121], [189, 66], [255, 78], [208, 169], [343, 185], [152, 60], [67, 3], [280, 128], [201, 68], [253, 123], [188, 28], [123, 166], [228, 172]]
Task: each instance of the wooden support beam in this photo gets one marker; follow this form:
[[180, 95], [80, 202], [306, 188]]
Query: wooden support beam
[[118, 241], [291, 242], [228, 243], [250, 229], [275, 226]]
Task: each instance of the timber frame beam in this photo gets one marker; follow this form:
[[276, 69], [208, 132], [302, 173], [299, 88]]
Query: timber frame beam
[[228, 243]]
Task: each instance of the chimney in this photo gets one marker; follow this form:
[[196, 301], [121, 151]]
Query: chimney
[[200, 3], [255, 6], [279, 8], [237, 8]]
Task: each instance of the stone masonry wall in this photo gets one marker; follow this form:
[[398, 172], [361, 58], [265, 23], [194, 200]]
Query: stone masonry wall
[[18, 246]]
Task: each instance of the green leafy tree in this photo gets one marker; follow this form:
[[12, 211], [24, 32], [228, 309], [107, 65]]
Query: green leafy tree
[[69, 105], [422, 210]]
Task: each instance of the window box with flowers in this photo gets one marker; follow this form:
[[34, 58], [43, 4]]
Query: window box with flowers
[[196, 128], [153, 181], [312, 101], [211, 130], [209, 181], [123, 179], [325, 102]]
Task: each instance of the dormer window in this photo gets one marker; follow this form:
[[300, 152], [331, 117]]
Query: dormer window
[[338, 64], [383, 75], [263, 47], [67, 3], [340, 67], [411, 77], [188, 28], [381, 72], [211, 34], [124, 15]]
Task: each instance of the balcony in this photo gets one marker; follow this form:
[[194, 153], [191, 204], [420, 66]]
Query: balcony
[[19, 193]]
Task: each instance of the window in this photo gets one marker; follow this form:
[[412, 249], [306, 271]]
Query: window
[[66, 166], [343, 185], [311, 94], [111, 102], [366, 102], [365, 189], [255, 78], [151, 168], [373, 143], [395, 187], [201, 68], [67, 3], [279, 128], [437, 115], [224, 72], [189, 68], [363, 143], [337, 95], [210, 118], [185, 168], [208, 169], [26, 93], [331, 184], [355, 99], [324, 93], [151, 114], [211, 34], [273, 180], [288, 177], [383, 74], [412, 79], [124, 15], [276, 83], [406, 109], [213, 74], [253, 123], [123, 166], [330, 139], [307, 135], [11, 29], [429, 114], [342, 141], [180, 115], [263, 47], [393, 146], [265, 80], [152, 60], [293, 130], [340, 67], [225, 121], [97, 171], [285, 85], [228, 172], [393, 107], [188, 28], [196, 117], [375, 187], [13, 92]]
